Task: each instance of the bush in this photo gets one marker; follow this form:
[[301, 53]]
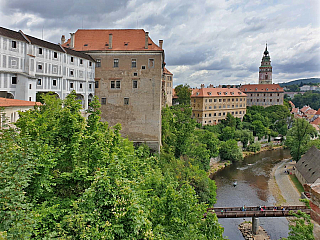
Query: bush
[[254, 147]]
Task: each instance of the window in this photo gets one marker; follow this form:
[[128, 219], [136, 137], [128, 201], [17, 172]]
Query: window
[[270, 94], [30, 86], [232, 113], [14, 80], [71, 85], [40, 50], [134, 84], [39, 66], [98, 62], [224, 100], [240, 112], [151, 63], [236, 112], [206, 100], [81, 61], [103, 101], [126, 101], [90, 85], [55, 55], [14, 44], [277, 100], [115, 63], [30, 99], [71, 72], [215, 100], [90, 64], [143, 67], [39, 81], [71, 59], [219, 114], [54, 82], [205, 115], [80, 86], [270, 100], [214, 114], [96, 84], [133, 63], [224, 114], [209, 114], [219, 100], [115, 84], [135, 74], [210, 100]]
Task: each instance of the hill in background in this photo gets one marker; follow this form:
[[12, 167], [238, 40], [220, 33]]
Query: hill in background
[[304, 81]]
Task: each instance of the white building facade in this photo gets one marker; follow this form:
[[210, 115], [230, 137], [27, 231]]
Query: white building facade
[[29, 66]]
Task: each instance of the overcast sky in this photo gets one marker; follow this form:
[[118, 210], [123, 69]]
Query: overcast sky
[[211, 42]]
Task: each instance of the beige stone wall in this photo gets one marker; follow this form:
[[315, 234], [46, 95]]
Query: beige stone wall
[[141, 117], [264, 99], [211, 110], [11, 114]]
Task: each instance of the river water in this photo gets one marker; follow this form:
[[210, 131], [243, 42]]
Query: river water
[[252, 175]]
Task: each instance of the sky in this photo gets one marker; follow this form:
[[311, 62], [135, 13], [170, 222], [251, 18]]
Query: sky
[[205, 41]]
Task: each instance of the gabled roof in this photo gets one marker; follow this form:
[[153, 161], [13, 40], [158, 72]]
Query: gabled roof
[[304, 109], [318, 112], [42, 43], [78, 54], [316, 121], [309, 165], [261, 88], [12, 34], [214, 92], [292, 104], [310, 111], [122, 40], [295, 110], [7, 102], [166, 71]]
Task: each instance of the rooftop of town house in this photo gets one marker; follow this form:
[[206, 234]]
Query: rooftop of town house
[[318, 112], [7, 102], [122, 40], [316, 121], [309, 165], [311, 111], [261, 88], [305, 108], [292, 104], [295, 110], [12, 34], [166, 71], [215, 92]]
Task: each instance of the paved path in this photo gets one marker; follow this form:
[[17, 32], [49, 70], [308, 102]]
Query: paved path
[[288, 190]]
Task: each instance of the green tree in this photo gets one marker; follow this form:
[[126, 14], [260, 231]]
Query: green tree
[[300, 227], [184, 94], [227, 133], [298, 137], [229, 150], [245, 136]]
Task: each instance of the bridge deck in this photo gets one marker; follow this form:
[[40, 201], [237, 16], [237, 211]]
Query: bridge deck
[[239, 212]]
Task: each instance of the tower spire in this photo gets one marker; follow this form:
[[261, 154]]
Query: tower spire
[[266, 50]]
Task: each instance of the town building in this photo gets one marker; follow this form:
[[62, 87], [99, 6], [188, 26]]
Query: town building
[[10, 109], [167, 88], [263, 94], [129, 74], [29, 66], [307, 169], [211, 105]]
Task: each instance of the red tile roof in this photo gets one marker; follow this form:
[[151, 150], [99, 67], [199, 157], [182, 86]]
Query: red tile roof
[[310, 112], [316, 121], [295, 110], [214, 92], [122, 39], [292, 104], [304, 109], [261, 88], [166, 71], [6, 102], [318, 112]]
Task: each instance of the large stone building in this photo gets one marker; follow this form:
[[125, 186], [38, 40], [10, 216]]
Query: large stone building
[[265, 93], [211, 105], [29, 65], [129, 72]]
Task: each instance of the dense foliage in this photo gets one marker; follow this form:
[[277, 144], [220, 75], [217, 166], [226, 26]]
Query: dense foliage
[[67, 177], [298, 138], [301, 227], [184, 94], [309, 98]]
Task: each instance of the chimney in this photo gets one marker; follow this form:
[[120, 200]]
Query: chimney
[[71, 40], [160, 43], [110, 41], [228, 86], [146, 40], [63, 39], [202, 86]]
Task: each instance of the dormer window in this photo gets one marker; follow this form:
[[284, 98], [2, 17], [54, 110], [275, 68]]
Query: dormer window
[[245, 89], [219, 93], [197, 94], [277, 89], [226, 93], [267, 89], [256, 89], [209, 93]]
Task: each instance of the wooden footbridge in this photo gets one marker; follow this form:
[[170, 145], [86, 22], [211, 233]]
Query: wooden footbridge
[[242, 212]]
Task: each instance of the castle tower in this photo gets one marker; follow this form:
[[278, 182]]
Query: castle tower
[[265, 70]]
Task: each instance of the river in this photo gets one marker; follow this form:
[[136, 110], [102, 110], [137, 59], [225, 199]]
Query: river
[[252, 175]]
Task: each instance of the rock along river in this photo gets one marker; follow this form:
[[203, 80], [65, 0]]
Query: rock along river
[[252, 175]]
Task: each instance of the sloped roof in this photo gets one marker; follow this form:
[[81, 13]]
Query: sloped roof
[[318, 112], [295, 110], [7, 102], [78, 54], [316, 121], [292, 104], [214, 92], [42, 43], [315, 126], [261, 88], [304, 109], [310, 111], [309, 165], [12, 34], [122, 39], [166, 71]]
